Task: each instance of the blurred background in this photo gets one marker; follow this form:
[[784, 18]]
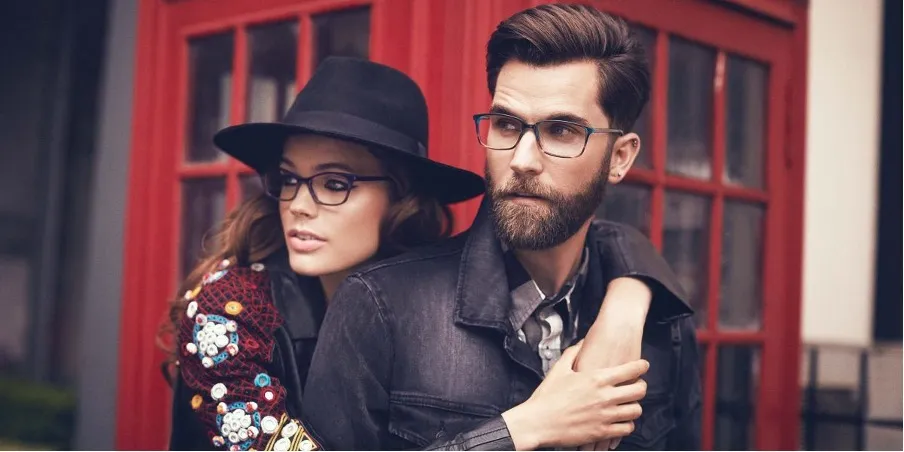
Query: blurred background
[[768, 179]]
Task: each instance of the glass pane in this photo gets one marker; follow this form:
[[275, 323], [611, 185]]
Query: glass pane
[[251, 186], [643, 125], [271, 79], [210, 84], [629, 204], [738, 376], [685, 245], [745, 122], [342, 33], [203, 205], [741, 297], [690, 115]]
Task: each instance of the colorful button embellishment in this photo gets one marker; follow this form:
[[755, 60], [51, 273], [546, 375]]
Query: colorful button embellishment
[[218, 391], [262, 380], [234, 308], [196, 401]]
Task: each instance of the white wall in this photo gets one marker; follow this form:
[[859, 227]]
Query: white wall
[[843, 82]]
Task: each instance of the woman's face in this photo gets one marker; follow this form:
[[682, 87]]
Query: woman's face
[[325, 240]]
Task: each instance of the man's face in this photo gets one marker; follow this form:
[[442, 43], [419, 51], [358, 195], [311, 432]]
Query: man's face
[[539, 200]]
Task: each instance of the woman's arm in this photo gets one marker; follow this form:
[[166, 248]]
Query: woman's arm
[[226, 339]]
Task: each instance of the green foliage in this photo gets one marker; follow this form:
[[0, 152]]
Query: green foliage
[[35, 413]]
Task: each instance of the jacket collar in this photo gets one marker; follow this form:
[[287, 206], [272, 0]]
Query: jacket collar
[[299, 299], [483, 295]]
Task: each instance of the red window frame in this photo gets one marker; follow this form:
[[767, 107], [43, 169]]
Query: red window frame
[[443, 51]]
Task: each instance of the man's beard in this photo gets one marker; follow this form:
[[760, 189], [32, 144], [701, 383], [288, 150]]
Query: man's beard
[[540, 227]]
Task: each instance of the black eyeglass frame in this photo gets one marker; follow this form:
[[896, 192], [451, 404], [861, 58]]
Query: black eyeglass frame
[[527, 126], [308, 181]]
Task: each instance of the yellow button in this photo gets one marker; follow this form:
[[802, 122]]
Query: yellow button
[[192, 293], [196, 401], [233, 308]]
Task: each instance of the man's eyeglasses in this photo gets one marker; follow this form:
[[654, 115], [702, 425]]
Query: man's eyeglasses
[[566, 139], [327, 189]]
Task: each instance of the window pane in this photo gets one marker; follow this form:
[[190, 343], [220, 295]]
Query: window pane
[[643, 126], [745, 121], [629, 204], [690, 115], [251, 186], [738, 376], [741, 297], [342, 33], [685, 245], [210, 83], [271, 79], [203, 205]]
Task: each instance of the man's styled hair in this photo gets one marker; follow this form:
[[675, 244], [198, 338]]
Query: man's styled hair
[[556, 34]]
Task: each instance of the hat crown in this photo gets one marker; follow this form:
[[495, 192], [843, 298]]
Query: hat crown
[[366, 90]]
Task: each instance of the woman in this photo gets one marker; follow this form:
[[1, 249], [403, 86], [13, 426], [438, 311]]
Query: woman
[[344, 188]]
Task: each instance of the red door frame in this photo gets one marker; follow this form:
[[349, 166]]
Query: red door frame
[[448, 66]]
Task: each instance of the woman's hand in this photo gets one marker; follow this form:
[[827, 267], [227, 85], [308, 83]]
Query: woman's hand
[[616, 335], [573, 408]]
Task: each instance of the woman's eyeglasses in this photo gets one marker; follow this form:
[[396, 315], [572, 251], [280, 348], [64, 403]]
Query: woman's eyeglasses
[[327, 189]]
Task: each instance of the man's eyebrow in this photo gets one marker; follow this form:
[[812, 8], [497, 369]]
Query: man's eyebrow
[[555, 116]]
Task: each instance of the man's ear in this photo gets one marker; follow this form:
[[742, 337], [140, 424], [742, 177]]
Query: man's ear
[[624, 151]]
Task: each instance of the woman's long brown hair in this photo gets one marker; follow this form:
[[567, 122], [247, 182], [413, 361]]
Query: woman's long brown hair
[[254, 231]]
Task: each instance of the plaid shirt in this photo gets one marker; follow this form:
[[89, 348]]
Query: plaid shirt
[[547, 324]]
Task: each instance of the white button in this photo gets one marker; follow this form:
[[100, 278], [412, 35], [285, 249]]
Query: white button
[[238, 414], [220, 329], [243, 434], [225, 429], [233, 349], [207, 362], [201, 319], [235, 425], [234, 438], [253, 432], [221, 341], [191, 348], [257, 266], [227, 418], [210, 327], [306, 445], [192, 309], [212, 350], [269, 424], [231, 326], [548, 354], [282, 445], [289, 430], [218, 391]]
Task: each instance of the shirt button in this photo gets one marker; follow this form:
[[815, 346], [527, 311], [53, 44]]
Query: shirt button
[[221, 341], [192, 309], [218, 391], [289, 430], [258, 267], [282, 445], [269, 424]]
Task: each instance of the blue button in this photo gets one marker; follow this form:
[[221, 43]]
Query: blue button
[[262, 380]]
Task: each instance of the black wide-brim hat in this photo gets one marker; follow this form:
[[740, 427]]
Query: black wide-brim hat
[[364, 102]]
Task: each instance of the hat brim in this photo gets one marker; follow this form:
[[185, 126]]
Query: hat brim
[[260, 145]]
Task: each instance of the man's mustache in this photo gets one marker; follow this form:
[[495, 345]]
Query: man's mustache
[[529, 187]]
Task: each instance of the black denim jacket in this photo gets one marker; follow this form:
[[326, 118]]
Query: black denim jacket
[[619, 251], [418, 352]]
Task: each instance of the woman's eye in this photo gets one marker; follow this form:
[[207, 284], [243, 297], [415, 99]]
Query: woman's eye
[[288, 179], [336, 184]]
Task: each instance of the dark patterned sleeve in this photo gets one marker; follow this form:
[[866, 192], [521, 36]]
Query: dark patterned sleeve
[[227, 338]]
